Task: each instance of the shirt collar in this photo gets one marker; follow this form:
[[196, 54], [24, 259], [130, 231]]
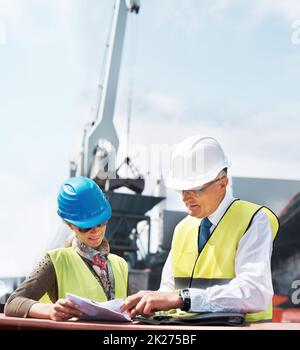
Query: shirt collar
[[215, 217]]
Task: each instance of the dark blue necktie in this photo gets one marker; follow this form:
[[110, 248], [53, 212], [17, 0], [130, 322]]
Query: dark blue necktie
[[205, 225]]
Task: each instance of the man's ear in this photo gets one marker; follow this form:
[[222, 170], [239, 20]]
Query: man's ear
[[224, 182]]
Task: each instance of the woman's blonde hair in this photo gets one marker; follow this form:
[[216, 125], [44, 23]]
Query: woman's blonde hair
[[69, 241]]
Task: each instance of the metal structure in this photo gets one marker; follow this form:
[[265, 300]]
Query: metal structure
[[286, 255], [122, 231]]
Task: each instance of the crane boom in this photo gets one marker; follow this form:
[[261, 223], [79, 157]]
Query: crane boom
[[104, 128]]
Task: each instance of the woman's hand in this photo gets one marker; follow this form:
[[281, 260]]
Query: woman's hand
[[63, 310]]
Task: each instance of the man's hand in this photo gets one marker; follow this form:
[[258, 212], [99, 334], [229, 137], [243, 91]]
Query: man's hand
[[147, 302]]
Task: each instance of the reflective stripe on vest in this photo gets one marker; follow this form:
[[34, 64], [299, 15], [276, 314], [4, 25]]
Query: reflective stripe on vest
[[74, 276], [216, 262]]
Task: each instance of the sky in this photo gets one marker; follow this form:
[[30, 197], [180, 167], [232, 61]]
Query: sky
[[224, 68]]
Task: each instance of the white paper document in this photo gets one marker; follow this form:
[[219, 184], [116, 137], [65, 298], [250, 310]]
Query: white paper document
[[94, 310]]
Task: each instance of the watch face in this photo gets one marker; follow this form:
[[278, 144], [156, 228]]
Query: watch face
[[185, 295]]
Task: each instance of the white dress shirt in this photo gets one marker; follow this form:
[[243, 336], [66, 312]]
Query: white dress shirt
[[251, 290]]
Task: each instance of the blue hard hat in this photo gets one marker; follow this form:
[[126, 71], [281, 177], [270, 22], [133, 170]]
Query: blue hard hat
[[82, 203]]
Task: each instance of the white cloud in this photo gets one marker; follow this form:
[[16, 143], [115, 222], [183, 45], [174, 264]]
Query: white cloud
[[218, 6], [41, 24], [156, 105], [289, 9], [28, 221], [262, 145], [189, 16], [12, 9], [2, 33]]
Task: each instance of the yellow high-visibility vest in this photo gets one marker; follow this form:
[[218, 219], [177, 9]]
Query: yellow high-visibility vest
[[215, 265], [74, 276]]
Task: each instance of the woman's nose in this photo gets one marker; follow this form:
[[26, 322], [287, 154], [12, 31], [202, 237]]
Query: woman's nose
[[93, 229]]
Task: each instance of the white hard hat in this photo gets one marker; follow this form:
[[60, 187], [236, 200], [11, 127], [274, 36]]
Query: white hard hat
[[196, 161]]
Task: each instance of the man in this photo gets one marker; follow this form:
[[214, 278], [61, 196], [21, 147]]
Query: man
[[221, 252]]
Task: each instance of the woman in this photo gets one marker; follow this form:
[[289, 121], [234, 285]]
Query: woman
[[86, 268]]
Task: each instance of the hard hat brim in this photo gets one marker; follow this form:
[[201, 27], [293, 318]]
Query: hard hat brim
[[93, 221], [179, 184], [183, 184]]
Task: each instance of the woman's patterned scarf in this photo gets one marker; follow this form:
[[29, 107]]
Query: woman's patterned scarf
[[100, 262]]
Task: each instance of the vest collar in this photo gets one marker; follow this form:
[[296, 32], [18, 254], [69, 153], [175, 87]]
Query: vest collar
[[215, 217]]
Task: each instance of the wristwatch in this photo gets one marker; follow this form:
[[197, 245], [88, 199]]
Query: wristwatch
[[185, 296]]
